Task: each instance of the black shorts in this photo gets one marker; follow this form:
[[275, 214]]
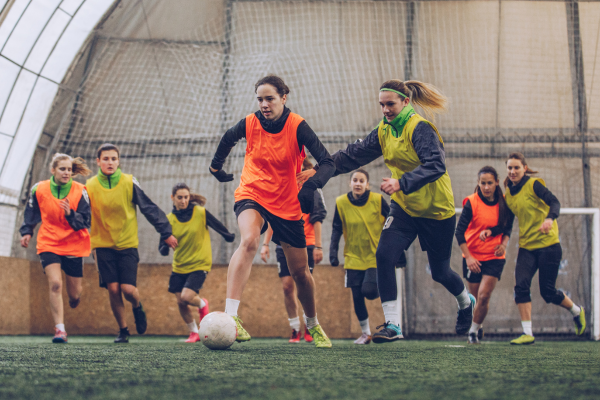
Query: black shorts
[[282, 265], [117, 266], [73, 266], [193, 281], [355, 277], [491, 267], [290, 232]]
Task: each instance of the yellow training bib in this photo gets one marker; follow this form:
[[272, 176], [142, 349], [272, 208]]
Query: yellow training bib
[[193, 252], [114, 217], [362, 228], [531, 211], [434, 200]]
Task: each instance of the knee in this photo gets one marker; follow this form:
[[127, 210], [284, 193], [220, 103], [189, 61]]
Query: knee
[[370, 292], [484, 299], [249, 244], [114, 289], [301, 275], [128, 291], [439, 276], [181, 303], [288, 288], [552, 295], [56, 286], [187, 298], [522, 294]]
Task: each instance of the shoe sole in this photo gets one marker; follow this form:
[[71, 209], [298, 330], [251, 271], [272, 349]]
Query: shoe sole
[[59, 341], [242, 340], [382, 339], [522, 344]]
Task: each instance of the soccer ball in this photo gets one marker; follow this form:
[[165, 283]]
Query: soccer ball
[[217, 331]]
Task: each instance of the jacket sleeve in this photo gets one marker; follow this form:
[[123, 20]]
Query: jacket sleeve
[[337, 231], [357, 154], [82, 217], [549, 198], [463, 223], [431, 153], [385, 207], [152, 212], [228, 141], [308, 138], [32, 215], [507, 230], [218, 227], [319, 212]]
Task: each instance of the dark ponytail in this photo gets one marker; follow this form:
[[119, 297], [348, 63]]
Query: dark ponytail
[[194, 197], [502, 207]]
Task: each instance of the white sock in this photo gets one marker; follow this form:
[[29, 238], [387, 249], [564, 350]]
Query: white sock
[[193, 327], [527, 328], [231, 307], [463, 300], [295, 323], [311, 322], [474, 327], [364, 326], [61, 327], [304, 318], [575, 310], [390, 312], [202, 303]]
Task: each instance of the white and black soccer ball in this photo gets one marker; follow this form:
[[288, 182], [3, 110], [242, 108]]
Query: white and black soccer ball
[[218, 330]]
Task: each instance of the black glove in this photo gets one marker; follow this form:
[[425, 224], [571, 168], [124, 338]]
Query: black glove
[[306, 197], [230, 238], [221, 175], [333, 260]]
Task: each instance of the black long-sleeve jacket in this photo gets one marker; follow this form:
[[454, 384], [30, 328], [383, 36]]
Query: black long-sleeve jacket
[[467, 215], [78, 219], [540, 191], [157, 218], [426, 143], [211, 221], [306, 137]]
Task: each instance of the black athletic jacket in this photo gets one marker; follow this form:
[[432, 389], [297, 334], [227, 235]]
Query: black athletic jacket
[[305, 135], [542, 192], [211, 221], [467, 215]]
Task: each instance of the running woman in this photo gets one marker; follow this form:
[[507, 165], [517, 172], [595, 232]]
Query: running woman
[[193, 256], [422, 200], [483, 233], [62, 206], [539, 248], [268, 195], [359, 217], [312, 230], [114, 235]]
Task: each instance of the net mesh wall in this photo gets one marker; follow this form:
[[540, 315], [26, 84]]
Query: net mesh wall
[[520, 75]]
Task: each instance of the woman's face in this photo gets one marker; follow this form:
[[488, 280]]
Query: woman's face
[[63, 172], [391, 104], [181, 199], [108, 162], [270, 103], [487, 185], [515, 169], [359, 184]]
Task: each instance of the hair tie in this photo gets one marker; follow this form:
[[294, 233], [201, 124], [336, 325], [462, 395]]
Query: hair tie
[[395, 91]]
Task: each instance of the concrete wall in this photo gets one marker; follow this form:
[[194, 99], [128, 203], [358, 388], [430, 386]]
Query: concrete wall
[[24, 307]]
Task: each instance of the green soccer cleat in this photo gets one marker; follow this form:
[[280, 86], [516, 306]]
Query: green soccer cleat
[[320, 338], [580, 323], [242, 334], [523, 339]]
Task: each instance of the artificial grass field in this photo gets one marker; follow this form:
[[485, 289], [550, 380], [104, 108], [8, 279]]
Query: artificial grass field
[[165, 367]]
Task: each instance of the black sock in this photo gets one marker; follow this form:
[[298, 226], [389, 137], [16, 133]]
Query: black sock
[[124, 331]]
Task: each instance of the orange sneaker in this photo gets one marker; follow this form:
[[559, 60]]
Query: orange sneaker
[[59, 336], [194, 337], [203, 311], [307, 336], [296, 336]]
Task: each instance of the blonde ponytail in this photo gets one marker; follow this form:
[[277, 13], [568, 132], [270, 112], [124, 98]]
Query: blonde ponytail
[[78, 165], [424, 95]]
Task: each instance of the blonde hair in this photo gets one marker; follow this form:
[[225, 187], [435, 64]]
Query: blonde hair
[[425, 95], [78, 165]]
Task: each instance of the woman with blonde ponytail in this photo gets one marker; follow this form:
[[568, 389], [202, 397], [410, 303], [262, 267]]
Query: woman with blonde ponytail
[[422, 200], [62, 206]]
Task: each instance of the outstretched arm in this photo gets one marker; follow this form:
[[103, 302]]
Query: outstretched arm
[[218, 227], [357, 154], [228, 141], [154, 215]]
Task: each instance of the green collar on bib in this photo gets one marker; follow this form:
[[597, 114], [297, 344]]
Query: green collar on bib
[[109, 181], [60, 191], [401, 119]]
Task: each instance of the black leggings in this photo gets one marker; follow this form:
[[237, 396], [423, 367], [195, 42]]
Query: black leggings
[[359, 293], [436, 238], [547, 260]]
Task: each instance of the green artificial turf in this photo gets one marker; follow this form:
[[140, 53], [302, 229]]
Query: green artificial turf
[[158, 367]]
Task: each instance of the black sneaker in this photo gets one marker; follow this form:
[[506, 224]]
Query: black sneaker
[[473, 338], [465, 318], [123, 336], [480, 333], [141, 324], [389, 333]]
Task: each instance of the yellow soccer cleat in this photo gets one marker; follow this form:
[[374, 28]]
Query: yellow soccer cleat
[[580, 322], [242, 334], [319, 337], [523, 339]]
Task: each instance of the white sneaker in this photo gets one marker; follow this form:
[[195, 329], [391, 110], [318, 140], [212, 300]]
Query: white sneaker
[[364, 339]]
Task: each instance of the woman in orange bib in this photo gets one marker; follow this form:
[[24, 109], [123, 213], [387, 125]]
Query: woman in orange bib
[[62, 206], [483, 232], [268, 194]]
